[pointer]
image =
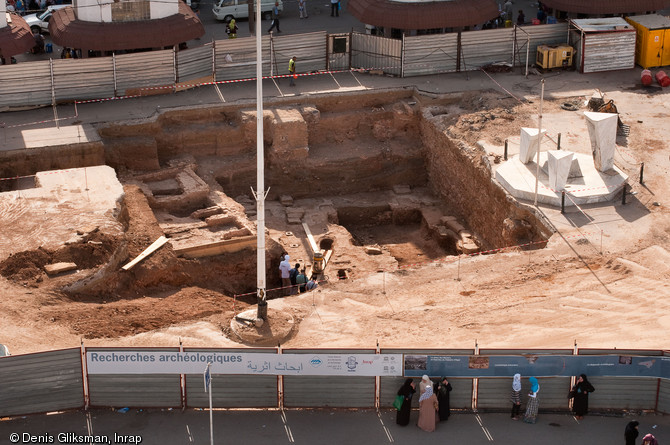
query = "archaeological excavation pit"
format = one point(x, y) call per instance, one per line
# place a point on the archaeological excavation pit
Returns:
point(379, 180)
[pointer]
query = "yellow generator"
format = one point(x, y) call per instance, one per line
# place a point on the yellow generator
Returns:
point(549, 56)
point(652, 47)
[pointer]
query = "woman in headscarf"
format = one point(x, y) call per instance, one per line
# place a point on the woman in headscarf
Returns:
point(425, 381)
point(442, 390)
point(407, 391)
point(580, 392)
point(533, 402)
point(649, 439)
point(427, 408)
point(631, 432)
point(516, 396)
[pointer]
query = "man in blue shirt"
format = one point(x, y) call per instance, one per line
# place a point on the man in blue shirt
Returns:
point(275, 18)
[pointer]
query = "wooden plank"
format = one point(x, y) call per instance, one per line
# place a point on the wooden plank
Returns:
point(148, 251)
point(312, 243)
point(326, 258)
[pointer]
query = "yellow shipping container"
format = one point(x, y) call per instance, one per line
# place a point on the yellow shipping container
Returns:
point(652, 48)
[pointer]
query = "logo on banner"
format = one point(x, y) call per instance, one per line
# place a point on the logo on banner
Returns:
point(316, 362)
point(351, 362)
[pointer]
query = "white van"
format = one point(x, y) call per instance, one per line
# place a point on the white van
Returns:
point(40, 22)
point(239, 9)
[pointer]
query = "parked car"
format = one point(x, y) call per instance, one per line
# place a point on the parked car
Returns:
point(239, 9)
point(40, 22)
point(4, 352)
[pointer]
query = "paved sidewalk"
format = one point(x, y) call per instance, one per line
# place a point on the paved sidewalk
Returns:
point(314, 427)
point(558, 84)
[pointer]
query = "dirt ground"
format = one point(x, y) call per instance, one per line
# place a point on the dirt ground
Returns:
point(602, 281)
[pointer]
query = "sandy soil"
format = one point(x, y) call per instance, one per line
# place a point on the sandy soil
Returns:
point(602, 281)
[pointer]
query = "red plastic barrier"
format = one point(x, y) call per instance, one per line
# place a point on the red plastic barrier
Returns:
point(646, 78)
point(663, 79)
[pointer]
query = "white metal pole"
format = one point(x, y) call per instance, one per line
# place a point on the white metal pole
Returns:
point(539, 143)
point(53, 91)
point(211, 421)
point(527, 54)
point(260, 170)
point(114, 72)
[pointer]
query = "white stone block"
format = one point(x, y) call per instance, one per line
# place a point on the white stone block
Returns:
point(602, 131)
point(560, 162)
point(529, 144)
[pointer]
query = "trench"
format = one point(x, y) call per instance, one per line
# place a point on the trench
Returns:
point(377, 175)
point(21, 183)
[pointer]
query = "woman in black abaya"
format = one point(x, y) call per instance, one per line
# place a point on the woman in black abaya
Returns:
point(580, 392)
point(631, 432)
point(442, 390)
point(406, 390)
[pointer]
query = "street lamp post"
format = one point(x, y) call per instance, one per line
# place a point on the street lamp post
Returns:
point(261, 295)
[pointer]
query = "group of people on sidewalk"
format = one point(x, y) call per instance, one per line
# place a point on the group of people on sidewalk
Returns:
point(434, 405)
point(579, 395)
point(631, 433)
point(434, 402)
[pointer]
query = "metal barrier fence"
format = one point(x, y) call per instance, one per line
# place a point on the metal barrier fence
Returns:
point(48, 82)
point(62, 380)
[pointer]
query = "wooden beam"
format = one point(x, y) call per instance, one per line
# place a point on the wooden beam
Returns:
point(326, 258)
point(312, 243)
point(148, 251)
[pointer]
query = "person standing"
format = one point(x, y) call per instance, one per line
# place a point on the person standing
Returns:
point(334, 8)
point(425, 382)
point(285, 270)
point(631, 432)
point(427, 407)
point(508, 10)
point(302, 7)
point(516, 396)
point(275, 18)
point(291, 71)
point(533, 402)
point(407, 390)
point(443, 388)
point(301, 280)
point(521, 19)
point(293, 275)
point(580, 392)
point(231, 29)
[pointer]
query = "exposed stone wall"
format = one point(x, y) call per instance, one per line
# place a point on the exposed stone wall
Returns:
point(31, 161)
point(311, 152)
point(134, 153)
point(461, 175)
